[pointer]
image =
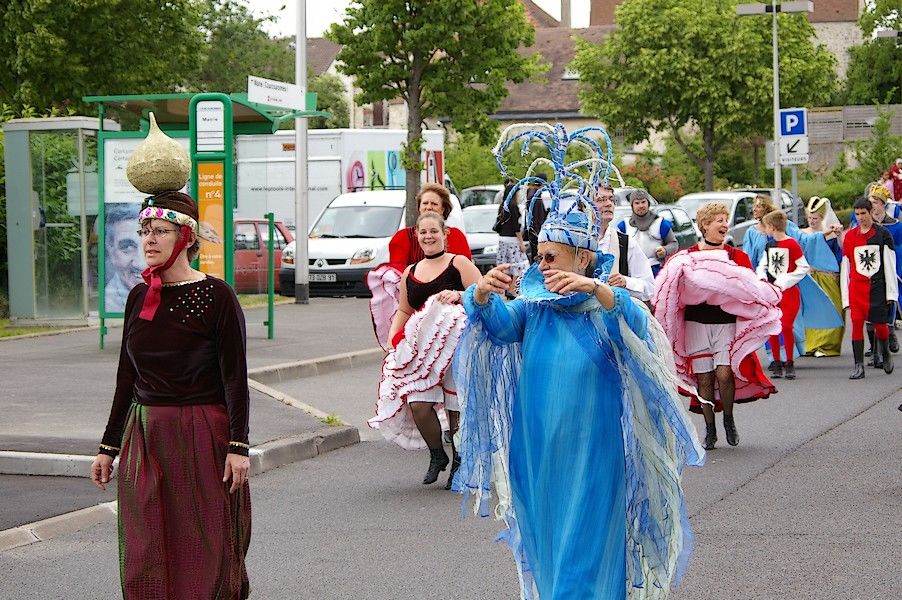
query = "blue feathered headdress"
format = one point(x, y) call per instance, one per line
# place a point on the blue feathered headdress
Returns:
point(573, 218)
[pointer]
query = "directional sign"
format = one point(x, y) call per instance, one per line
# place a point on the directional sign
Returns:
point(275, 93)
point(793, 149)
point(793, 121)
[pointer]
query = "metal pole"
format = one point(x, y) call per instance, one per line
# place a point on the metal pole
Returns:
point(302, 262)
point(270, 275)
point(777, 166)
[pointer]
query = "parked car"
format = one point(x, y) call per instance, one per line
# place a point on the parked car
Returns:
point(684, 228)
point(478, 195)
point(622, 195)
point(483, 240)
point(738, 203)
point(251, 238)
point(792, 204)
point(349, 238)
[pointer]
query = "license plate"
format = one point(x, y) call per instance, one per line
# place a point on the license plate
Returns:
point(323, 277)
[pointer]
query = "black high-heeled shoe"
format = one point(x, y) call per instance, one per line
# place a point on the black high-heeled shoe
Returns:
point(438, 462)
point(710, 436)
point(729, 427)
point(455, 465)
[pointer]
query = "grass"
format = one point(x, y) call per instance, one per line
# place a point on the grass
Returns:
point(7, 331)
point(332, 421)
point(260, 300)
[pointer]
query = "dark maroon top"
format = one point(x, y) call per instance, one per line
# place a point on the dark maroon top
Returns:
point(419, 291)
point(193, 352)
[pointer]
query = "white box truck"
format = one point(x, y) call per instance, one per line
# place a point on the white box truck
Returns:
point(340, 161)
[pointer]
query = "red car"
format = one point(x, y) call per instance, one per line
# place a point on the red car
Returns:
point(251, 239)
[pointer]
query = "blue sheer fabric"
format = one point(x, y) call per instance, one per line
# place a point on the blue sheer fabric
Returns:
point(570, 410)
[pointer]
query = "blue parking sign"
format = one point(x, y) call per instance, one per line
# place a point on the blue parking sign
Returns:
point(793, 121)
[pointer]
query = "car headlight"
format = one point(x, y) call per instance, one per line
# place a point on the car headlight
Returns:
point(364, 255)
point(490, 249)
point(288, 255)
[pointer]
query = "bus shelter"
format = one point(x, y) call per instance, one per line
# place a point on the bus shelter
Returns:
point(206, 125)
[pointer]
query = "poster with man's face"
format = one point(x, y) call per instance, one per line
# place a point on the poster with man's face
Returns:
point(123, 257)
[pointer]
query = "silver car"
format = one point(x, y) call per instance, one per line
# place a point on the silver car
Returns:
point(738, 203)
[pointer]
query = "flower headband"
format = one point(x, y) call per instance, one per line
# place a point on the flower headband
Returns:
point(167, 214)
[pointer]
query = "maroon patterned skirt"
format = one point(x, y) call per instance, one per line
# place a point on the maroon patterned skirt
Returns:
point(181, 534)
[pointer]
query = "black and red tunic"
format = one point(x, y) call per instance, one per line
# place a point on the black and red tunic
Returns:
point(868, 274)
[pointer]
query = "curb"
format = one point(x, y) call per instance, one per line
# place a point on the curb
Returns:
point(265, 457)
point(315, 366)
point(40, 531)
point(45, 463)
point(28, 336)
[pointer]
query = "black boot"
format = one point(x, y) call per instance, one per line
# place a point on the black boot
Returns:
point(438, 461)
point(870, 351)
point(710, 436)
point(893, 341)
point(772, 366)
point(729, 427)
point(777, 371)
point(790, 373)
point(887, 357)
point(878, 353)
point(455, 465)
point(858, 354)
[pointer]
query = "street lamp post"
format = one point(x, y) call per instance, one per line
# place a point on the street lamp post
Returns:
point(774, 8)
point(892, 33)
point(301, 262)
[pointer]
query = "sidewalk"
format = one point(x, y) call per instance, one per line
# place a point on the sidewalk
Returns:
point(57, 391)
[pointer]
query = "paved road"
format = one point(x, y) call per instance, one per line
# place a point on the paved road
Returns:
point(806, 507)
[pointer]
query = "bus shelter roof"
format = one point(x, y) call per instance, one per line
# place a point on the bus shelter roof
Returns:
point(171, 111)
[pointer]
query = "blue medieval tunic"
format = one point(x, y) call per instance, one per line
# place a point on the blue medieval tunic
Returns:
point(568, 404)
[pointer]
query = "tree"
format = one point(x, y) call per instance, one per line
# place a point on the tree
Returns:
point(237, 46)
point(53, 53)
point(448, 59)
point(330, 96)
point(697, 66)
point(875, 67)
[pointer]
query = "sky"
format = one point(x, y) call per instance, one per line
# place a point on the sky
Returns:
point(322, 13)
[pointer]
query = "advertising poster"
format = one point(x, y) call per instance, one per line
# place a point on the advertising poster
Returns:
point(123, 257)
point(376, 169)
point(395, 172)
point(211, 196)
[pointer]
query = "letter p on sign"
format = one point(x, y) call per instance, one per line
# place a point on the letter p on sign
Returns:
point(793, 121)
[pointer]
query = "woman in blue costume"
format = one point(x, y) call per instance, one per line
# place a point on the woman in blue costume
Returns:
point(823, 251)
point(571, 409)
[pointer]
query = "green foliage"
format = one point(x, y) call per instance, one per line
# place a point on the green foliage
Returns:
point(697, 63)
point(406, 49)
point(875, 67)
point(53, 53)
point(330, 91)
point(237, 46)
point(470, 162)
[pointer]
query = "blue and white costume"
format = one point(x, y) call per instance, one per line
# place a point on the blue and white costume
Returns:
point(571, 412)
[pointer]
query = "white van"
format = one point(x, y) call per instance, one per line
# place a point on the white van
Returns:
point(349, 238)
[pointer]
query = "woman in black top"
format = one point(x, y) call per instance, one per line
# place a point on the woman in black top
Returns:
point(511, 247)
point(443, 276)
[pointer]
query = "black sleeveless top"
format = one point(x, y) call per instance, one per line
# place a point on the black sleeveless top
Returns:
point(418, 292)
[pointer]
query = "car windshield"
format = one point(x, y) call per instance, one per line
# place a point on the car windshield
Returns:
point(477, 197)
point(357, 222)
point(480, 221)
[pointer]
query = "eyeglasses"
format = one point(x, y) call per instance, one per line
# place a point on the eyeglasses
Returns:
point(156, 232)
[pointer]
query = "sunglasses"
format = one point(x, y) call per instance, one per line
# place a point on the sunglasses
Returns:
point(548, 257)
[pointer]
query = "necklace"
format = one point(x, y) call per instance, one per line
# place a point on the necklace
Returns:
point(707, 243)
point(435, 255)
point(185, 282)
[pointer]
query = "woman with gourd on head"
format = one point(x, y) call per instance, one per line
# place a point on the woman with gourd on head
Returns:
point(179, 420)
